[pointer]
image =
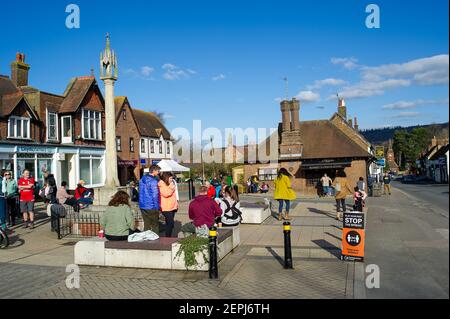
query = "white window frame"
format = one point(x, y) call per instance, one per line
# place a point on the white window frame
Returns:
point(142, 146)
point(55, 139)
point(119, 144)
point(132, 146)
point(152, 148)
point(15, 119)
point(91, 158)
point(168, 148)
point(66, 140)
point(98, 134)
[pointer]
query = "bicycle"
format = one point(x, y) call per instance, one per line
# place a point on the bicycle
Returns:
point(4, 240)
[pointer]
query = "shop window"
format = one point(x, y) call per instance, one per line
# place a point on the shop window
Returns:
point(119, 144)
point(91, 170)
point(52, 126)
point(19, 127)
point(92, 125)
point(131, 144)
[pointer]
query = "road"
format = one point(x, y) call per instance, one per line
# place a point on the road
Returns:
point(407, 236)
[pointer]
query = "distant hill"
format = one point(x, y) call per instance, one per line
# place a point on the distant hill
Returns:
point(382, 135)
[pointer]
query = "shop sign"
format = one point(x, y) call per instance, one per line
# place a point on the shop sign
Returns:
point(353, 237)
point(381, 162)
point(379, 152)
point(35, 149)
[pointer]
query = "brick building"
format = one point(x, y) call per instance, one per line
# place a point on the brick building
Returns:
point(309, 149)
point(142, 140)
point(43, 131)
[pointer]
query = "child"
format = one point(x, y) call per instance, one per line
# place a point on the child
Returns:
point(359, 197)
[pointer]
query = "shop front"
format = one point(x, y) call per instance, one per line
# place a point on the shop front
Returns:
point(127, 171)
point(68, 164)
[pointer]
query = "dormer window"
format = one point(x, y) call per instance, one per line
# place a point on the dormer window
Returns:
point(92, 125)
point(19, 127)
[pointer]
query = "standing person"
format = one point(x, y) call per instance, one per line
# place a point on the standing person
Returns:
point(118, 222)
point(168, 200)
point(340, 184)
point(283, 193)
point(26, 190)
point(387, 184)
point(49, 180)
point(361, 184)
point(3, 208)
point(211, 190)
point(11, 193)
point(326, 182)
point(149, 199)
point(359, 197)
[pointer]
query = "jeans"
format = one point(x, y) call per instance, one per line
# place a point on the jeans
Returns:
point(3, 212)
point(280, 205)
point(12, 209)
point(170, 222)
point(339, 203)
point(86, 201)
point(326, 190)
point(151, 220)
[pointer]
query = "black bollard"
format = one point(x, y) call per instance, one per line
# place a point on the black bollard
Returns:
point(213, 269)
point(287, 246)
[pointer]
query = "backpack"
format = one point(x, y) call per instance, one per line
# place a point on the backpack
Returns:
point(233, 219)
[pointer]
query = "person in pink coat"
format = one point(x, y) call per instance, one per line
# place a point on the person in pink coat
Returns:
point(168, 200)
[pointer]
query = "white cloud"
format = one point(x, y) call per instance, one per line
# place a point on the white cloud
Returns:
point(405, 115)
point(402, 105)
point(326, 82)
point(367, 88)
point(308, 96)
point(146, 70)
point(219, 77)
point(348, 63)
point(173, 72)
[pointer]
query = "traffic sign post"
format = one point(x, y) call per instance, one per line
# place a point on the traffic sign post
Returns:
point(353, 236)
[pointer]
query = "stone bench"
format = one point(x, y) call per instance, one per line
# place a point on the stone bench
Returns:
point(255, 213)
point(156, 254)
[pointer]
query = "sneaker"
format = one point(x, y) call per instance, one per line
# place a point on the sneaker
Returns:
point(32, 225)
point(25, 225)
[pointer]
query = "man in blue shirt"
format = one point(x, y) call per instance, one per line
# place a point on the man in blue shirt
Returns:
point(149, 199)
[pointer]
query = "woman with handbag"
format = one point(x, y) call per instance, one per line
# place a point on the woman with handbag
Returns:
point(342, 190)
point(284, 193)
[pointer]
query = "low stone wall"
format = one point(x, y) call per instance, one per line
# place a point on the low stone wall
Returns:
point(160, 254)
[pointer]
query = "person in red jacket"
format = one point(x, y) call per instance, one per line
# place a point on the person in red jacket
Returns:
point(211, 190)
point(203, 210)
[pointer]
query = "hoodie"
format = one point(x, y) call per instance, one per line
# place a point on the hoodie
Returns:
point(203, 211)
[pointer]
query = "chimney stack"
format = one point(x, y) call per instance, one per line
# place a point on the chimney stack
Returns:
point(295, 114)
point(356, 126)
point(285, 114)
point(342, 109)
point(19, 70)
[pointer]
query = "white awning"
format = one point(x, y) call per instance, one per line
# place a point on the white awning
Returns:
point(172, 166)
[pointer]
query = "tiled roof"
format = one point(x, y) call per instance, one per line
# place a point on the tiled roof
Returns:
point(8, 102)
point(7, 86)
point(149, 125)
point(118, 103)
point(75, 93)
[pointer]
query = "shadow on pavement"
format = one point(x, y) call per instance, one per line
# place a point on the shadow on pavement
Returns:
point(274, 254)
point(326, 245)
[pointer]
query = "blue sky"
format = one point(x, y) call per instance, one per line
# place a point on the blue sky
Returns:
point(224, 61)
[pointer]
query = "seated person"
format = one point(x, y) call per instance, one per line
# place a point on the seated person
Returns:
point(203, 211)
point(118, 222)
point(64, 198)
point(83, 195)
point(264, 188)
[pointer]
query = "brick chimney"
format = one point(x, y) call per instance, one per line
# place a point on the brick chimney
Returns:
point(285, 114)
point(295, 114)
point(342, 109)
point(19, 70)
point(356, 126)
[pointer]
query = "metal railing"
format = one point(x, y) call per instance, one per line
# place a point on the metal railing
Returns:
point(68, 223)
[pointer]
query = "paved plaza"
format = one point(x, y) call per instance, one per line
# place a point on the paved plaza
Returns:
point(35, 264)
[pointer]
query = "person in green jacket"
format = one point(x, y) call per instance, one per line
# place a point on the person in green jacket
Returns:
point(283, 192)
point(118, 222)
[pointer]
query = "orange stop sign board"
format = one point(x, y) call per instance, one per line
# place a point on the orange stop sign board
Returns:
point(353, 237)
